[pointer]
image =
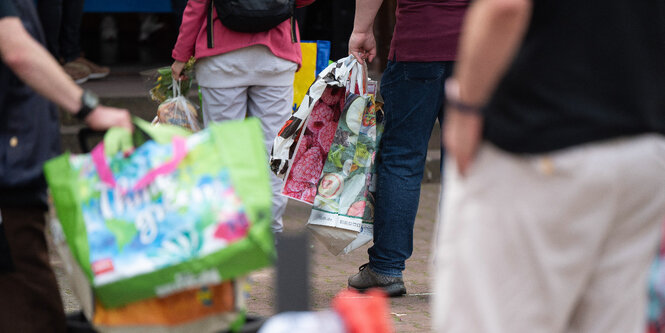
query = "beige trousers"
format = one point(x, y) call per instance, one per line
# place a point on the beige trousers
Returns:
point(271, 105)
point(551, 243)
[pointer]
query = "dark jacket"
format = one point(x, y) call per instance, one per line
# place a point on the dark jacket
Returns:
point(29, 129)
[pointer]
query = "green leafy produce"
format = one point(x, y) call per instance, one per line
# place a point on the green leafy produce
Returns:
point(162, 88)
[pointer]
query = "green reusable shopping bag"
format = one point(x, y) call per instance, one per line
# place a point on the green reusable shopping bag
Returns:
point(181, 211)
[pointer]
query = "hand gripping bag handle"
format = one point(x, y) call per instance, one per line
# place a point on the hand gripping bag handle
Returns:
point(358, 76)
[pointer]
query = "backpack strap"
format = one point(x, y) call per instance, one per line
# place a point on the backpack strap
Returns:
point(293, 24)
point(211, 43)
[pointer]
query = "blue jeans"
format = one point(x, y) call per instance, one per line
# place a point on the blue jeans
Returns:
point(413, 93)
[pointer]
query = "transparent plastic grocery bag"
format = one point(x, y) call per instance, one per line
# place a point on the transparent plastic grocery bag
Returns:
point(178, 111)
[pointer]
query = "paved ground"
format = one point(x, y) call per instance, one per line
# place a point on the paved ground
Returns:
point(329, 273)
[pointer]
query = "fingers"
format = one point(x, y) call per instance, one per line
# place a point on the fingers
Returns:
point(176, 70)
point(103, 118)
point(125, 120)
point(372, 55)
point(357, 55)
point(463, 163)
point(175, 73)
point(462, 137)
point(363, 56)
point(463, 159)
point(362, 46)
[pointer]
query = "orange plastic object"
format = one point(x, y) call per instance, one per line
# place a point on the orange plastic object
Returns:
point(364, 313)
point(175, 309)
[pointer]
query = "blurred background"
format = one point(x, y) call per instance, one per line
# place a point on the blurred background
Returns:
point(127, 33)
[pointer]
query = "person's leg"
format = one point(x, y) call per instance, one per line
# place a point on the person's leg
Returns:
point(449, 68)
point(50, 15)
point(30, 296)
point(272, 105)
point(70, 32)
point(615, 297)
point(520, 237)
point(221, 104)
point(413, 96)
point(79, 68)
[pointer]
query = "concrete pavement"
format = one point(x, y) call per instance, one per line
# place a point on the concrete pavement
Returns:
point(329, 273)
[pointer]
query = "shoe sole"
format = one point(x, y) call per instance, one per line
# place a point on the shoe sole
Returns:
point(81, 80)
point(391, 291)
point(95, 76)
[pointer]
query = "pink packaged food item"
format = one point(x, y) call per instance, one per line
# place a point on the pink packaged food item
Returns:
point(314, 145)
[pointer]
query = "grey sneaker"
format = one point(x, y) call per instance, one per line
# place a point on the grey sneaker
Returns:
point(367, 279)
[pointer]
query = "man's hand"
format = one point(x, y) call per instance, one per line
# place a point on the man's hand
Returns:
point(462, 134)
point(104, 117)
point(176, 70)
point(362, 45)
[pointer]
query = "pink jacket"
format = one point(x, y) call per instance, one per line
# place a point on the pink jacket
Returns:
point(192, 39)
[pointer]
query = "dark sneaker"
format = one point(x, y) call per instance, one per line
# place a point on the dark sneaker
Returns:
point(367, 279)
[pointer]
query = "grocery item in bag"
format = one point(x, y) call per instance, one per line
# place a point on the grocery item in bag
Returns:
point(178, 111)
point(314, 145)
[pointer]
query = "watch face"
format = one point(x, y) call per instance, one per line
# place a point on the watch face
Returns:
point(90, 100)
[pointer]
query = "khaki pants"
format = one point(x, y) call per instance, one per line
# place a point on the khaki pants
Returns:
point(271, 105)
point(29, 295)
point(560, 242)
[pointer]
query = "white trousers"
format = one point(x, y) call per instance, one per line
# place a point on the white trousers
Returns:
point(560, 242)
point(271, 104)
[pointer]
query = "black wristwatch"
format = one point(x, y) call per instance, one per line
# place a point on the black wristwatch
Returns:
point(89, 101)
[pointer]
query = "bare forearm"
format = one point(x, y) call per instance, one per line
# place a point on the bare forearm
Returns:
point(365, 13)
point(32, 63)
point(492, 32)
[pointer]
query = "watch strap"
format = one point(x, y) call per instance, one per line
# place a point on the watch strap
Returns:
point(86, 108)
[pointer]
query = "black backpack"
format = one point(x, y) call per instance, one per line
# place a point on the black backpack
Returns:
point(251, 15)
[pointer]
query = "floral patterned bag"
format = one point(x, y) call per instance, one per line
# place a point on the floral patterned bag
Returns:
point(181, 211)
point(302, 145)
point(326, 154)
point(343, 210)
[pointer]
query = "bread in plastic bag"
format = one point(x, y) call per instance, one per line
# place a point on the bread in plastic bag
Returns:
point(178, 111)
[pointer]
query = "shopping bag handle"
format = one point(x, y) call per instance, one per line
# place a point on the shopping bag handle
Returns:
point(119, 139)
point(106, 175)
point(358, 76)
